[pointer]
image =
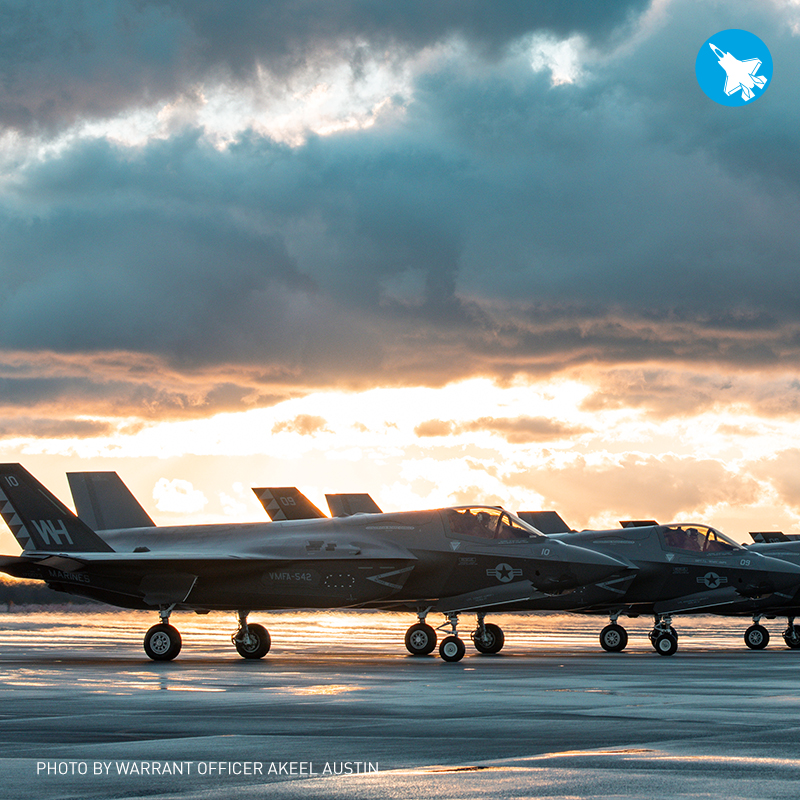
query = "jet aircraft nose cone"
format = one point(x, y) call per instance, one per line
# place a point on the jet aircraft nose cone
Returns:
point(583, 566)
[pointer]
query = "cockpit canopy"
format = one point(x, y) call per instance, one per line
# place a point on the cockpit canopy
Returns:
point(486, 522)
point(696, 538)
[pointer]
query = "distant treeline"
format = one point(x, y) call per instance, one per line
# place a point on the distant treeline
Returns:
point(24, 593)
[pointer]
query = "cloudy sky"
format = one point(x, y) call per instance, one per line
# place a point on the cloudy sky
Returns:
point(499, 251)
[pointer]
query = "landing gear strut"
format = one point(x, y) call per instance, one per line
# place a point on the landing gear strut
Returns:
point(488, 638)
point(663, 637)
point(251, 641)
point(163, 642)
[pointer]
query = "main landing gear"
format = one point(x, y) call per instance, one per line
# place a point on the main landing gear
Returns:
point(421, 638)
point(756, 637)
point(163, 642)
point(792, 634)
point(663, 637)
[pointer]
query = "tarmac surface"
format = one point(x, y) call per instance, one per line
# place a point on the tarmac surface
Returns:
point(85, 714)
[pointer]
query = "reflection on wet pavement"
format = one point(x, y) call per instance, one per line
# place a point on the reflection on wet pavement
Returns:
point(551, 715)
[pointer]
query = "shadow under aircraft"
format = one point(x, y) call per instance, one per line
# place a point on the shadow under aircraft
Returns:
point(451, 560)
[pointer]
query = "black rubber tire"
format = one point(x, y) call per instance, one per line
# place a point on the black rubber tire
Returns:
point(492, 641)
point(665, 644)
point(613, 638)
point(420, 639)
point(756, 637)
point(257, 644)
point(162, 642)
point(792, 637)
point(452, 649)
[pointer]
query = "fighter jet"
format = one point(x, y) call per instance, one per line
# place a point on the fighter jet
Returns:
point(784, 602)
point(740, 74)
point(452, 560)
point(681, 568)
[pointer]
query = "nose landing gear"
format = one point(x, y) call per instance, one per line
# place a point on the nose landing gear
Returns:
point(163, 642)
point(251, 641)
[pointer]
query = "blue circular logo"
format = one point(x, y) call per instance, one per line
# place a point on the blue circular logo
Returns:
point(734, 67)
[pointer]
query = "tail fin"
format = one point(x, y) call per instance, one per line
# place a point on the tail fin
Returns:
point(105, 503)
point(38, 519)
point(287, 502)
point(769, 536)
point(345, 505)
point(546, 522)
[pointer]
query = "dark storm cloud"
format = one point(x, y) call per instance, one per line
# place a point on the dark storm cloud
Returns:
point(62, 60)
point(500, 225)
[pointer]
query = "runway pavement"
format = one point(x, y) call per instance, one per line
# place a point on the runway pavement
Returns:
point(86, 714)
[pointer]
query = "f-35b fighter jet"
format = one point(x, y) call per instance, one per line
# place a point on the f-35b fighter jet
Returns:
point(680, 568)
point(451, 559)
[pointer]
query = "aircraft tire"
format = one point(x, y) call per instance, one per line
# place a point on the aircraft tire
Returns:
point(420, 639)
point(665, 644)
point(756, 637)
point(452, 649)
point(162, 642)
point(257, 644)
point(792, 637)
point(613, 638)
point(492, 641)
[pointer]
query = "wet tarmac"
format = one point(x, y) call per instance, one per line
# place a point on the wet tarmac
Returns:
point(338, 709)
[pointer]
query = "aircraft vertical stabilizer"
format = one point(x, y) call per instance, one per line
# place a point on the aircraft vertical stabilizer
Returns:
point(286, 502)
point(38, 519)
point(105, 503)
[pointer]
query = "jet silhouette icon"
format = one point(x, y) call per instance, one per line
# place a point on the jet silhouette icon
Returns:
point(739, 74)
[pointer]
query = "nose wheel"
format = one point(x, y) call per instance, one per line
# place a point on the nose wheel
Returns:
point(251, 641)
point(452, 649)
point(163, 642)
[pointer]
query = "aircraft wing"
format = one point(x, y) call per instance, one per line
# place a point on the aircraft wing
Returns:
point(287, 502)
point(105, 503)
point(517, 592)
point(732, 85)
point(751, 65)
point(698, 601)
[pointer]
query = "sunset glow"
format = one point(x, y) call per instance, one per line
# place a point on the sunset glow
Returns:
point(514, 257)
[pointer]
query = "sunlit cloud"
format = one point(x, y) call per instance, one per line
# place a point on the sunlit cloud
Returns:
point(178, 496)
